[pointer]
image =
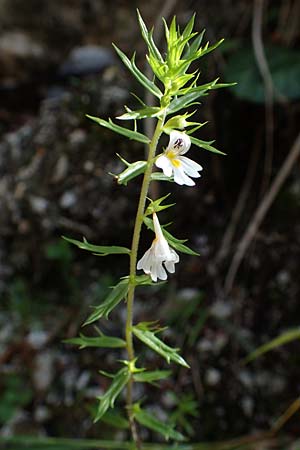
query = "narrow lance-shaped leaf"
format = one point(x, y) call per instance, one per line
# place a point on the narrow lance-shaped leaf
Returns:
point(184, 101)
point(133, 170)
point(99, 341)
point(194, 46)
point(115, 420)
point(135, 135)
point(205, 145)
point(149, 338)
point(148, 38)
point(130, 64)
point(118, 293)
point(148, 420)
point(149, 111)
point(107, 400)
point(160, 176)
point(99, 250)
point(151, 376)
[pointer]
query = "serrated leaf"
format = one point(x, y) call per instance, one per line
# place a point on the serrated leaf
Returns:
point(132, 171)
point(208, 49)
point(151, 340)
point(189, 27)
point(156, 206)
point(99, 341)
point(98, 249)
point(283, 339)
point(149, 111)
point(194, 46)
point(148, 38)
point(149, 421)
point(130, 64)
point(178, 244)
point(150, 376)
point(118, 293)
point(205, 145)
point(107, 400)
point(184, 101)
point(135, 135)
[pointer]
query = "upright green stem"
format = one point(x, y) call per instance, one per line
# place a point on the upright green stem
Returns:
point(133, 260)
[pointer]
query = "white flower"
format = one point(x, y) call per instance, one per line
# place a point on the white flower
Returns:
point(172, 161)
point(159, 256)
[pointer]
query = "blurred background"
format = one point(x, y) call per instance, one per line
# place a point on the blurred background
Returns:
point(57, 65)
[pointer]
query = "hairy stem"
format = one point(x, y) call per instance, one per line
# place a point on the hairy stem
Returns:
point(133, 260)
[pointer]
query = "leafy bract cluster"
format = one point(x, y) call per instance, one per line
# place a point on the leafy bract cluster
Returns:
point(175, 88)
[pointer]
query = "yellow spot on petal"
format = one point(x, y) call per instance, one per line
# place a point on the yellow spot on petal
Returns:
point(171, 154)
point(176, 162)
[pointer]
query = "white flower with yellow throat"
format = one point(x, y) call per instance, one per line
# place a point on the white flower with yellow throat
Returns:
point(159, 257)
point(173, 163)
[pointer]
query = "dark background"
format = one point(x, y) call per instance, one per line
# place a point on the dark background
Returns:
point(54, 167)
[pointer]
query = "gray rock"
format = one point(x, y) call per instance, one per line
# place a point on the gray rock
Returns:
point(86, 60)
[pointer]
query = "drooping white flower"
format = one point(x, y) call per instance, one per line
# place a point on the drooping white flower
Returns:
point(172, 161)
point(159, 256)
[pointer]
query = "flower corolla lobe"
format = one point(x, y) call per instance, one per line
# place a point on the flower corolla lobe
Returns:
point(159, 257)
point(172, 161)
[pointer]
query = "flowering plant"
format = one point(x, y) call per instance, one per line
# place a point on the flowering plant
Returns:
point(175, 89)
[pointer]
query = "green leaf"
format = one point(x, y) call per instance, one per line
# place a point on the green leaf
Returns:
point(130, 64)
point(194, 46)
point(118, 293)
point(189, 27)
point(107, 400)
point(99, 250)
point(178, 244)
point(283, 339)
point(150, 376)
point(132, 171)
point(148, 38)
point(100, 341)
point(115, 419)
point(156, 206)
point(149, 338)
point(208, 49)
point(205, 145)
point(149, 111)
point(148, 420)
point(159, 176)
point(184, 101)
point(144, 280)
point(117, 129)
